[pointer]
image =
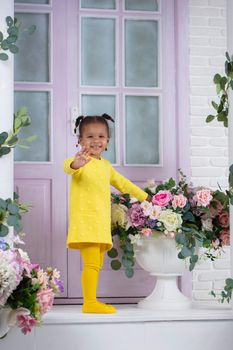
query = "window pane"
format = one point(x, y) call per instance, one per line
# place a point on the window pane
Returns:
point(38, 108)
point(139, 5)
point(97, 105)
point(141, 53)
point(98, 51)
point(32, 61)
point(142, 129)
point(99, 4)
point(32, 1)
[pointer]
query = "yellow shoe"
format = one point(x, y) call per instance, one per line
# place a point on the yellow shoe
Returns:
point(96, 307)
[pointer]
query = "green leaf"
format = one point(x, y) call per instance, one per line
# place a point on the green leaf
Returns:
point(29, 138)
point(223, 82)
point(127, 263)
point(231, 84)
point(22, 146)
point(188, 216)
point(227, 56)
point(116, 265)
point(129, 273)
point(12, 220)
point(3, 230)
point(13, 31)
point(217, 78)
point(181, 239)
point(31, 29)
point(3, 56)
point(5, 45)
point(194, 259)
point(210, 118)
point(22, 111)
point(4, 151)
point(13, 140)
point(112, 253)
point(225, 123)
point(129, 246)
point(13, 49)
point(13, 208)
point(215, 105)
point(9, 21)
point(185, 251)
point(11, 39)
point(229, 283)
point(1, 37)
point(3, 204)
point(3, 137)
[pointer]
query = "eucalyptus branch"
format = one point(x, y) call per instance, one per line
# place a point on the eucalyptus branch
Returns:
point(223, 84)
point(11, 139)
point(8, 43)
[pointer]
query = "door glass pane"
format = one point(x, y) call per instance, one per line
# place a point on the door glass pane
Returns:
point(98, 51)
point(38, 108)
point(97, 105)
point(142, 129)
point(32, 1)
point(141, 53)
point(139, 5)
point(98, 4)
point(32, 61)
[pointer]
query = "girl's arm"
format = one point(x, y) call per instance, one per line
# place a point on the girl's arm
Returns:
point(124, 185)
point(67, 166)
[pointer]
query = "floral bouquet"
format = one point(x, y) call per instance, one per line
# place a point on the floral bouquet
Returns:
point(194, 217)
point(25, 289)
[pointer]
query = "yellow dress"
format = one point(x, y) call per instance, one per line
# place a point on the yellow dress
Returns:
point(90, 201)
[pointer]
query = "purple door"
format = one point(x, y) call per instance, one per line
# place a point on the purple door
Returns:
point(95, 57)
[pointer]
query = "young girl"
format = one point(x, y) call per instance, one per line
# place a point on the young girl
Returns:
point(90, 204)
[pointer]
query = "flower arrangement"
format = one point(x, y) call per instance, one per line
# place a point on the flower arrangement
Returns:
point(194, 217)
point(25, 288)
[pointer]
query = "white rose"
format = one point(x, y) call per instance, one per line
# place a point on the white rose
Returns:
point(171, 220)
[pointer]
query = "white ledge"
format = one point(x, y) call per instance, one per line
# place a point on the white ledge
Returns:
point(72, 314)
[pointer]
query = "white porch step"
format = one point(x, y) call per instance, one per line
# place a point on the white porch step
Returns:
point(66, 328)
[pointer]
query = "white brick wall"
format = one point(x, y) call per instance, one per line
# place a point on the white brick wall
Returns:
point(209, 153)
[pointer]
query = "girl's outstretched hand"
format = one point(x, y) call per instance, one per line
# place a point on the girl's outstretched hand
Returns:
point(81, 158)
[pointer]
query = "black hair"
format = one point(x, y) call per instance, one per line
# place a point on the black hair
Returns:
point(81, 121)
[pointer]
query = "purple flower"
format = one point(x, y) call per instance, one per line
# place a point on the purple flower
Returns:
point(151, 223)
point(136, 216)
point(3, 245)
point(59, 284)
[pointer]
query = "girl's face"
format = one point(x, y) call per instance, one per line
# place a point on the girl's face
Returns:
point(94, 138)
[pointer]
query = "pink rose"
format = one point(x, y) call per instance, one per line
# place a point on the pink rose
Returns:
point(162, 198)
point(203, 197)
point(224, 219)
point(45, 298)
point(146, 232)
point(179, 201)
point(218, 207)
point(225, 237)
point(26, 322)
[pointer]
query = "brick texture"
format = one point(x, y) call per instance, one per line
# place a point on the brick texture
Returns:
point(209, 152)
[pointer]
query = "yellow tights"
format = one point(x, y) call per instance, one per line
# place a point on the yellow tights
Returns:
point(93, 258)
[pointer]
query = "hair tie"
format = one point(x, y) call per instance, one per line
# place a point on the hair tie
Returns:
point(106, 116)
point(77, 122)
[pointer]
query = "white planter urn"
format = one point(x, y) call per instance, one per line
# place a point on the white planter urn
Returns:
point(4, 321)
point(157, 254)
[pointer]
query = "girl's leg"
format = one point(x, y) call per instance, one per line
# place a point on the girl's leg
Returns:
point(92, 256)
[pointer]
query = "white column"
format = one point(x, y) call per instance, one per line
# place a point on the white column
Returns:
point(230, 125)
point(6, 105)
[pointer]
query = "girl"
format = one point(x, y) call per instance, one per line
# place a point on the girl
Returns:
point(90, 204)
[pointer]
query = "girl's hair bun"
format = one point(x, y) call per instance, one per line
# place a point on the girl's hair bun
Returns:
point(77, 122)
point(108, 117)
